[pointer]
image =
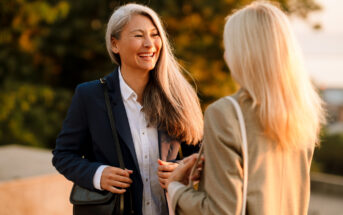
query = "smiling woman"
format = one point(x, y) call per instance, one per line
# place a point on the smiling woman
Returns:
point(156, 112)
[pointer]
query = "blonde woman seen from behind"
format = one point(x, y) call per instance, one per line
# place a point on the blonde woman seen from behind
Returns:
point(283, 115)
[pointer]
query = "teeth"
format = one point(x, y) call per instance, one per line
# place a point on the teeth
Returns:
point(147, 55)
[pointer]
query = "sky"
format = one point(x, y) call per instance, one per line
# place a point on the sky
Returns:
point(323, 49)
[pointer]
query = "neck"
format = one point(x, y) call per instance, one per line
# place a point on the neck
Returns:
point(136, 80)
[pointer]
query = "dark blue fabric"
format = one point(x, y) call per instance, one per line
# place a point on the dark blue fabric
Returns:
point(85, 141)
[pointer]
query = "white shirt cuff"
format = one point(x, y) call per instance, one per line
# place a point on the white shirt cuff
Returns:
point(173, 187)
point(97, 176)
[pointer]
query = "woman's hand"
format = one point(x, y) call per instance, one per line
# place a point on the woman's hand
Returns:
point(113, 178)
point(164, 171)
point(182, 172)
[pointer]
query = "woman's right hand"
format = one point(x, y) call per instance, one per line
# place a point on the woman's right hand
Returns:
point(115, 180)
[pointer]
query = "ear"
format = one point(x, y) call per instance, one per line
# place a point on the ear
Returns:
point(114, 44)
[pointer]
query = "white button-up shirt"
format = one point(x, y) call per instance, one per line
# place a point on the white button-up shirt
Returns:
point(145, 140)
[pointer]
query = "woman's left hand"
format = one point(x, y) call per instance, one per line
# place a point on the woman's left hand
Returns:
point(165, 169)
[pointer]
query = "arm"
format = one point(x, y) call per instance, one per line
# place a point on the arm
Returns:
point(73, 143)
point(221, 185)
point(73, 147)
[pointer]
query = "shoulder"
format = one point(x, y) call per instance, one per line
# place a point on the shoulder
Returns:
point(221, 129)
point(220, 109)
point(88, 90)
point(221, 122)
point(87, 87)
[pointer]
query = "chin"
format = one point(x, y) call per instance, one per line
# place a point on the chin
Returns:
point(150, 67)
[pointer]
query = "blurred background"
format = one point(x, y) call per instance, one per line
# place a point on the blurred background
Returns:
point(47, 47)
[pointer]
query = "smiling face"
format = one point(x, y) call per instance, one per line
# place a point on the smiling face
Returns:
point(139, 44)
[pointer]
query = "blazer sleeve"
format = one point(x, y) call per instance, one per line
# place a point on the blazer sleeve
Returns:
point(73, 143)
point(220, 189)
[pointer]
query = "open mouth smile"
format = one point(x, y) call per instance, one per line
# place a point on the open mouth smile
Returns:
point(147, 56)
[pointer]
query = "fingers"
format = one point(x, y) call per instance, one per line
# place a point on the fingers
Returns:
point(201, 162)
point(117, 174)
point(164, 171)
point(163, 175)
point(163, 182)
point(119, 184)
point(129, 171)
point(189, 158)
point(181, 174)
point(164, 186)
point(168, 168)
point(188, 165)
point(120, 178)
point(116, 190)
point(161, 162)
point(119, 171)
point(196, 175)
point(113, 178)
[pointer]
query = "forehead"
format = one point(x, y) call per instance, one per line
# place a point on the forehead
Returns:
point(140, 22)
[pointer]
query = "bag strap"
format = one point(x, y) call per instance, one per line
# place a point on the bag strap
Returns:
point(201, 150)
point(244, 150)
point(114, 134)
point(113, 127)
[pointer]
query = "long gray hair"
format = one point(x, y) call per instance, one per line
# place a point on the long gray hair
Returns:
point(169, 101)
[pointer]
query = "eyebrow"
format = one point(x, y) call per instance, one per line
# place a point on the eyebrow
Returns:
point(140, 30)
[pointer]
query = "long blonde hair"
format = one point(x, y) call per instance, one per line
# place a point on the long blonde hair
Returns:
point(264, 58)
point(169, 101)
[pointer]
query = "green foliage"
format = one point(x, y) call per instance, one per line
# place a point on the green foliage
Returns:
point(47, 47)
point(328, 157)
point(31, 114)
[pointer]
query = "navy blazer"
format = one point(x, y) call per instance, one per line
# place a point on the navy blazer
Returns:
point(86, 142)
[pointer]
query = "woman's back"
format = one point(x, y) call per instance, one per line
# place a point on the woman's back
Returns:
point(278, 180)
point(283, 115)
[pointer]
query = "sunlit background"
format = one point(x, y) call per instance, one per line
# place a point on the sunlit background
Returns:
point(323, 47)
point(48, 47)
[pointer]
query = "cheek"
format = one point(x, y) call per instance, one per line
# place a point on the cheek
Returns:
point(158, 43)
point(131, 45)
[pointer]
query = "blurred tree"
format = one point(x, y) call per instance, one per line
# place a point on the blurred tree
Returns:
point(31, 114)
point(47, 47)
point(328, 157)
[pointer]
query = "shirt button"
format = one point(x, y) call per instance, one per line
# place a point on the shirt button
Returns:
point(147, 203)
point(143, 132)
point(146, 156)
point(146, 180)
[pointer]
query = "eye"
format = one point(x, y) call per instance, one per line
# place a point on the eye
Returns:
point(138, 35)
point(155, 34)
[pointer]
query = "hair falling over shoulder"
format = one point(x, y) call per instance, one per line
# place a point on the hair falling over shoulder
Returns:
point(264, 58)
point(169, 101)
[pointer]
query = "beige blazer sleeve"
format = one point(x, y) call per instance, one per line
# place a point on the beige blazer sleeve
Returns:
point(220, 189)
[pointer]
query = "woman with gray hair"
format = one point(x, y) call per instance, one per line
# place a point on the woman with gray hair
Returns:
point(154, 107)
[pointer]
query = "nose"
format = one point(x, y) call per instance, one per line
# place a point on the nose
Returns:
point(148, 42)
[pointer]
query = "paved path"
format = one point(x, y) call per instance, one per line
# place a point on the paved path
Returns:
point(18, 162)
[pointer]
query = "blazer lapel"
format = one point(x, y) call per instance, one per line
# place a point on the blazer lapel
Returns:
point(119, 112)
point(168, 147)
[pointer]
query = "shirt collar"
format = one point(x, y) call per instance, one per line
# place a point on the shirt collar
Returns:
point(126, 91)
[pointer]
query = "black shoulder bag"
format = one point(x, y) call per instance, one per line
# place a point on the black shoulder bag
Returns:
point(88, 202)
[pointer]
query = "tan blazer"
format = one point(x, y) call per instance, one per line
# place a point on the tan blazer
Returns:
point(279, 181)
